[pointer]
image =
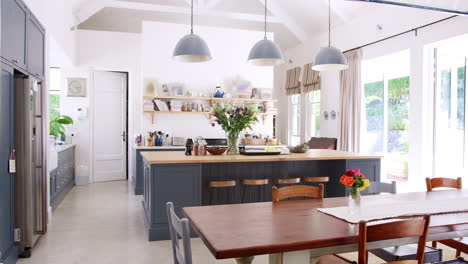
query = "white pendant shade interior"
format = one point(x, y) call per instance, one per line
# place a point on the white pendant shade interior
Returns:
point(330, 58)
point(191, 47)
point(265, 52)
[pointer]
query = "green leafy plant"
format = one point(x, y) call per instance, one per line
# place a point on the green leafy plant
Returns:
point(233, 120)
point(57, 125)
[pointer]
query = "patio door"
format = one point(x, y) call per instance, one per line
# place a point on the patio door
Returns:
point(450, 135)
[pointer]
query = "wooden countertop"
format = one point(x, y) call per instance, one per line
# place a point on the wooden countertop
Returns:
point(167, 157)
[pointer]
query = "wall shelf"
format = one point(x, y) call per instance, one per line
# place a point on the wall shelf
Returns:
point(208, 99)
point(211, 99)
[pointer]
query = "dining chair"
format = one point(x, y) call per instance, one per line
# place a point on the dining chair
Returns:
point(380, 187)
point(404, 252)
point(459, 244)
point(297, 191)
point(314, 192)
point(323, 143)
point(417, 227)
point(179, 228)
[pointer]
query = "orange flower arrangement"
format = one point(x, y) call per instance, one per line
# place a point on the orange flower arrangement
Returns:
point(355, 181)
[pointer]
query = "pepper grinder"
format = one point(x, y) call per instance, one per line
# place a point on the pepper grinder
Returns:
point(188, 147)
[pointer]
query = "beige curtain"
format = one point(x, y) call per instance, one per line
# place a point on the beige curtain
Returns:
point(350, 103)
point(293, 85)
point(310, 79)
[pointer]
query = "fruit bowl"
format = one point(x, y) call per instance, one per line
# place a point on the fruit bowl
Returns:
point(299, 148)
point(216, 150)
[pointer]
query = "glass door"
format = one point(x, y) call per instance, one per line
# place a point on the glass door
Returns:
point(450, 148)
point(386, 104)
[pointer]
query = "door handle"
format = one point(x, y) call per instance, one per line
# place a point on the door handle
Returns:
point(124, 136)
point(15, 61)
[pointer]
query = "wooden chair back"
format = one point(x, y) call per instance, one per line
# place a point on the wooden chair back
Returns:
point(433, 183)
point(380, 187)
point(296, 191)
point(179, 228)
point(323, 143)
point(394, 230)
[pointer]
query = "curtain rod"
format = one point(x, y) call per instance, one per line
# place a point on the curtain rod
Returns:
point(402, 33)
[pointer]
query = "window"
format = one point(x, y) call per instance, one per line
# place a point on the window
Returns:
point(313, 114)
point(54, 97)
point(450, 147)
point(387, 91)
point(295, 120)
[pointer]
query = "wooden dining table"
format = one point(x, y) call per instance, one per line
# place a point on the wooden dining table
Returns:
point(296, 232)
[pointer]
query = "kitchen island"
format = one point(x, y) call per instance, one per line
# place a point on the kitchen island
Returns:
point(173, 176)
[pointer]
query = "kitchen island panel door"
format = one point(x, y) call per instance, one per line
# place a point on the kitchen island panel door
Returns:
point(180, 184)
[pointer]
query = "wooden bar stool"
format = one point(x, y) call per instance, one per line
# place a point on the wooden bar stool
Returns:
point(322, 179)
point(286, 181)
point(261, 183)
point(217, 185)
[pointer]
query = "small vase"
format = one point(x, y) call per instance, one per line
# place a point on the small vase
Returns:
point(233, 139)
point(354, 202)
point(355, 193)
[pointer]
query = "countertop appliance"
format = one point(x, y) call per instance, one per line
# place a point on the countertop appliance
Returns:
point(30, 179)
point(216, 142)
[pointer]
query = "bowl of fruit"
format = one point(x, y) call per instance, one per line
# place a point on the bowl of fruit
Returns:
point(302, 148)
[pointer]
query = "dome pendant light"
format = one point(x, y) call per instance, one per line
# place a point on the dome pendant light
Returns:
point(191, 47)
point(265, 52)
point(330, 58)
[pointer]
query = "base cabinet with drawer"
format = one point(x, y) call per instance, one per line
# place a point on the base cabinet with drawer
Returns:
point(62, 179)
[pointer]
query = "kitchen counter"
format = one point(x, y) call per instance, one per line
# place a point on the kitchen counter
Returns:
point(173, 176)
point(314, 154)
point(159, 147)
point(60, 148)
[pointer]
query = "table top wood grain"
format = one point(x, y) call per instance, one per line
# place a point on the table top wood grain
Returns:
point(167, 157)
point(242, 230)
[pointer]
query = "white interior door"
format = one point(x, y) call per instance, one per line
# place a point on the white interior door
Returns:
point(109, 129)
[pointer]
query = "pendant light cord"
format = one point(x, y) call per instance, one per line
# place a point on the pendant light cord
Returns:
point(191, 19)
point(265, 19)
point(329, 23)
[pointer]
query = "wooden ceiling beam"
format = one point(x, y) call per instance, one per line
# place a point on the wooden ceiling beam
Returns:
point(184, 10)
point(285, 19)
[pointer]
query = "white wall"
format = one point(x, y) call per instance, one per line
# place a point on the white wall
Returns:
point(98, 50)
point(229, 49)
point(362, 31)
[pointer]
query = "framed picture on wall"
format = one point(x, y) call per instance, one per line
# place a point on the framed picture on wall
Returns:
point(76, 87)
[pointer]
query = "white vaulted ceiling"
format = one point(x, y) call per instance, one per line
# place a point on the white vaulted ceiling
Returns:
point(292, 21)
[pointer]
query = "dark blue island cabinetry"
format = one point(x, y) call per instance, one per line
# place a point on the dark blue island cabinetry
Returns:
point(183, 180)
point(137, 177)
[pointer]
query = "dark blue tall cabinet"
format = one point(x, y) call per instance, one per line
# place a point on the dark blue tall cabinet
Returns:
point(8, 252)
point(22, 48)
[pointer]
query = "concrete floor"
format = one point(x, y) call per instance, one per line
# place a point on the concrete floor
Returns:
point(102, 223)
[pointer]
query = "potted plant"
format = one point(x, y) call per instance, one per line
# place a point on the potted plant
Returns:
point(57, 125)
point(233, 120)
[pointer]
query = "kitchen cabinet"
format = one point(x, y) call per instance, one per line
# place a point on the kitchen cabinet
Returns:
point(13, 19)
point(137, 178)
point(8, 252)
point(62, 179)
point(35, 39)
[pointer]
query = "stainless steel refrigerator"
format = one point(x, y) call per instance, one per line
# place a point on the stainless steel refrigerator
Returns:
point(30, 179)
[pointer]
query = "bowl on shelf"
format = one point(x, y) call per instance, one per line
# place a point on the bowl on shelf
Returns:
point(299, 148)
point(216, 150)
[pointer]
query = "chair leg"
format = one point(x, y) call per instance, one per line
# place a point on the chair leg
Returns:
point(457, 255)
point(211, 196)
point(434, 244)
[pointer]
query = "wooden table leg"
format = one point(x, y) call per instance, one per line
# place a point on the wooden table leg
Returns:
point(294, 257)
point(245, 260)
